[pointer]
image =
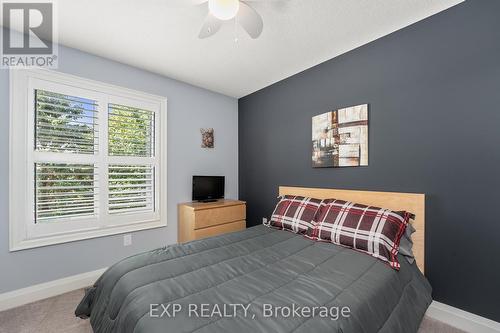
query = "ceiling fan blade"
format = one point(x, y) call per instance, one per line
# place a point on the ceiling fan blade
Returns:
point(210, 26)
point(250, 20)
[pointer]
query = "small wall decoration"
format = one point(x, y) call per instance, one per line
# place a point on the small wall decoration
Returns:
point(207, 137)
point(340, 138)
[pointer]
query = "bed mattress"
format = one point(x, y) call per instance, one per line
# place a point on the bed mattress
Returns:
point(256, 280)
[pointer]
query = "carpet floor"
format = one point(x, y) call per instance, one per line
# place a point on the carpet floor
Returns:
point(56, 315)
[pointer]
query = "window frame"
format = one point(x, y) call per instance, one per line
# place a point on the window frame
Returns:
point(23, 233)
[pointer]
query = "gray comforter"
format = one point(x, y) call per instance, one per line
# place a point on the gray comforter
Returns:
point(246, 281)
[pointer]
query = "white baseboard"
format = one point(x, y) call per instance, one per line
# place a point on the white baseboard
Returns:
point(53, 288)
point(460, 319)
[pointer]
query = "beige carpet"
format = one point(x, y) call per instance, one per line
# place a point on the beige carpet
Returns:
point(55, 315)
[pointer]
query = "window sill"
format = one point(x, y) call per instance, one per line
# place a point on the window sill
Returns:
point(83, 235)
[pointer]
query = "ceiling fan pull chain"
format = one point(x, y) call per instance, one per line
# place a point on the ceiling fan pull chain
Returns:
point(236, 29)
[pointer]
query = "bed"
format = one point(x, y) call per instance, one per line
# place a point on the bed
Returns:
point(260, 279)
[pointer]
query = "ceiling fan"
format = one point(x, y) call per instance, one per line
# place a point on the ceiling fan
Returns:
point(225, 10)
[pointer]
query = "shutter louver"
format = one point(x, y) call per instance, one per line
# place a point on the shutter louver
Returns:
point(131, 188)
point(64, 191)
point(65, 123)
point(130, 131)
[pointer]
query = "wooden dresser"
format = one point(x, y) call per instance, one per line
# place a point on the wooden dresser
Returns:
point(199, 220)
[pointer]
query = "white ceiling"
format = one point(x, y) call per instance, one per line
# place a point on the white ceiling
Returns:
point(163, 38)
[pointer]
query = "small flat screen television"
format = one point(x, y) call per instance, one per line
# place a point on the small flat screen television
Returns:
point(208, 188)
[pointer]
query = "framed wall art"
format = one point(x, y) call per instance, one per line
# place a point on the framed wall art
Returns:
point(340, 138)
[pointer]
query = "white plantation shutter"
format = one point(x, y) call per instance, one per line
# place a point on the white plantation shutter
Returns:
point(90, 159)
point(131, 137)
point(131, 188)
point(64, 190)
point(130, 131)
point(65, 123)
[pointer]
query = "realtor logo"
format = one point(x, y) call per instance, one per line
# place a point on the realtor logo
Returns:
point(28, 34)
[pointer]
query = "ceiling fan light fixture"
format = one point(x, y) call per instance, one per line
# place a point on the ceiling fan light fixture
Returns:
point(224, 9)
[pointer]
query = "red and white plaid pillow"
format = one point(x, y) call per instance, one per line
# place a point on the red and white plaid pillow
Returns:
point(375, 231)
point(294, 213)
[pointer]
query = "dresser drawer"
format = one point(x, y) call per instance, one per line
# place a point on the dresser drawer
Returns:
point(219, 229)
point(205, 218)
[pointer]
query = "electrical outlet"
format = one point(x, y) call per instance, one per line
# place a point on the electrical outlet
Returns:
point(127, 240)
point(264, 220)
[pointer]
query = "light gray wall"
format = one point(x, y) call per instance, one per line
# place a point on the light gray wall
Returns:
point(189, 108)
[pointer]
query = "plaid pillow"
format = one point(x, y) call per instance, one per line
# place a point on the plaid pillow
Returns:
point(294, 213)
point(375, 231)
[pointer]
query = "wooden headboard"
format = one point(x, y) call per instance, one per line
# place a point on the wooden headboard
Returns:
point(411, 202)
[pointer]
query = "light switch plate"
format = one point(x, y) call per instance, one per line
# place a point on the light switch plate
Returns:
point(127, 240)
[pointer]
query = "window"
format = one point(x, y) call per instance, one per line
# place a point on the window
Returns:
point(87, 159)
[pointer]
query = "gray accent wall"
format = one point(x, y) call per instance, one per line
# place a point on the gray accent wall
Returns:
point(189, 108)
point(434, 95)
